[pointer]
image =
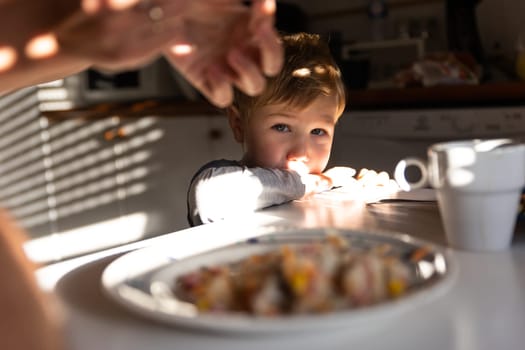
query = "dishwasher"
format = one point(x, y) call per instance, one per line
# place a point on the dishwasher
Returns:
point(378, 139)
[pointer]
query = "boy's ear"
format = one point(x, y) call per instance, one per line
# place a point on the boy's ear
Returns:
point(236, 125)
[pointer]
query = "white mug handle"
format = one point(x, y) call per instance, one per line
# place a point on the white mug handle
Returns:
point(399, 174)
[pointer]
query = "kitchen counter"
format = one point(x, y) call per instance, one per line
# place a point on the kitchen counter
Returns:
point(490, 94)
point(444, 96)
point(483, 309)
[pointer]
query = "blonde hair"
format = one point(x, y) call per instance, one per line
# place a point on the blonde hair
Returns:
point(309, 71)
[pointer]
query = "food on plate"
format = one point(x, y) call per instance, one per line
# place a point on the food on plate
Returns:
point(300, 278)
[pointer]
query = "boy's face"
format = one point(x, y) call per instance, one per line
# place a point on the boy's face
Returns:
point(280, 136)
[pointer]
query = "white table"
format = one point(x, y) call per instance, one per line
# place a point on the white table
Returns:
point(484, 308)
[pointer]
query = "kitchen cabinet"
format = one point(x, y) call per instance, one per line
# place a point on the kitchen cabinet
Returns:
point(144, 166)
point(23, 160)
point(78, 194)
point(184, 144)
point(100, 177)
point(82, 183)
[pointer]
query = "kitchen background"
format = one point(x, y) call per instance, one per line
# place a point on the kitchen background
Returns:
point(95, 160)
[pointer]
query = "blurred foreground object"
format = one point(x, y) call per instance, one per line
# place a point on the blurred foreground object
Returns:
point(31, 319)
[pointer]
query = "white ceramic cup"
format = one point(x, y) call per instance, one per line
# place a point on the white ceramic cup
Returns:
point(478, 186)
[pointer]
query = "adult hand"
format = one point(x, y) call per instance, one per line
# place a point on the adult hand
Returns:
point(230, 43)
point(215, 44)
point(224, 44)
point(120, 34)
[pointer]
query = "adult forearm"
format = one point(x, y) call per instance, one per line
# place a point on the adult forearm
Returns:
point(21, 21)
point(29, 73)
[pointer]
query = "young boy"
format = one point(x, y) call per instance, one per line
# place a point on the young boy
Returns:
point(286, 134)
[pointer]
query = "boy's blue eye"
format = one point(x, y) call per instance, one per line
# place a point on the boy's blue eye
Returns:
point(318, 132)
point(281, 127)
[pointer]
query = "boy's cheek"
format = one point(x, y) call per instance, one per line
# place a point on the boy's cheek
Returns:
point(266, 160)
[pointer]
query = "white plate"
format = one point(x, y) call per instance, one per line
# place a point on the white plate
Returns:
point(143, 280)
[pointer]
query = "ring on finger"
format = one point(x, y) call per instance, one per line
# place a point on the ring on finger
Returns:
point(154, 11)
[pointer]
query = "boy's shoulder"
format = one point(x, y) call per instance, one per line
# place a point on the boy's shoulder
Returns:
point(218, 163)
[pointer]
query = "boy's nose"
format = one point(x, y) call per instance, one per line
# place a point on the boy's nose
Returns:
point(298, 153)
point(298, 159)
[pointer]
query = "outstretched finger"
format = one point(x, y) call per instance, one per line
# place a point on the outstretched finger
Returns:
point(271, 51)
point(265, 36)
point(211, 82)
point(248, 76)
point(217, 88)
